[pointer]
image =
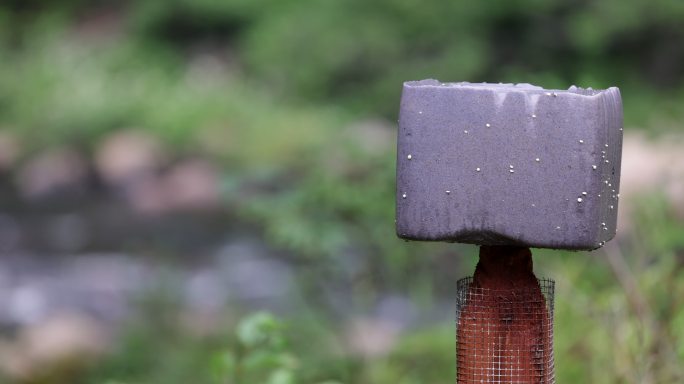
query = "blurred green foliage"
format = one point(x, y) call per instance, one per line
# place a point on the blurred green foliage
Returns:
point(286, 95)
point(263, 349)
point(261, 357)
point(626, 305)
point(354, 52)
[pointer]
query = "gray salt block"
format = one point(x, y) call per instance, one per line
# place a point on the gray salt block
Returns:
point(505, 164)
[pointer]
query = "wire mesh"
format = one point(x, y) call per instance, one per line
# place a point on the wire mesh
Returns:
point(505, 335)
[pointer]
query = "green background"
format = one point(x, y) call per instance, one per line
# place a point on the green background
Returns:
point(295, 103)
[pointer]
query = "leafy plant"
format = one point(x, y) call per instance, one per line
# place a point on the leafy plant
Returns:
point(262, 354)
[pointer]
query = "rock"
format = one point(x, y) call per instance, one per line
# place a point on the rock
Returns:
point(67, 232)
point(59, 347)
point(192, 184)
point(675, 194)
point(147, 196)
point(27, 304)
point(35, 288)
point(398, 309)
point(205, 290)
point(58, 172)
point(252, 275)
point(9, 151)
point(650, 166)
point(10, 233)
point(188, 185)
point(126, 156)
point(371, 337)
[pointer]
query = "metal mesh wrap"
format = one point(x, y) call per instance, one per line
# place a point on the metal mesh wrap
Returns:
point(505, 335)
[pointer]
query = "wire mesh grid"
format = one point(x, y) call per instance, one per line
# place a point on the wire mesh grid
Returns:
point(505, 335)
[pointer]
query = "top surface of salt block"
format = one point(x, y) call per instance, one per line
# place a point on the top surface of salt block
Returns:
point(508, 164)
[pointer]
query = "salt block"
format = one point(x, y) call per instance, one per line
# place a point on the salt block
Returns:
point(508, 164)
